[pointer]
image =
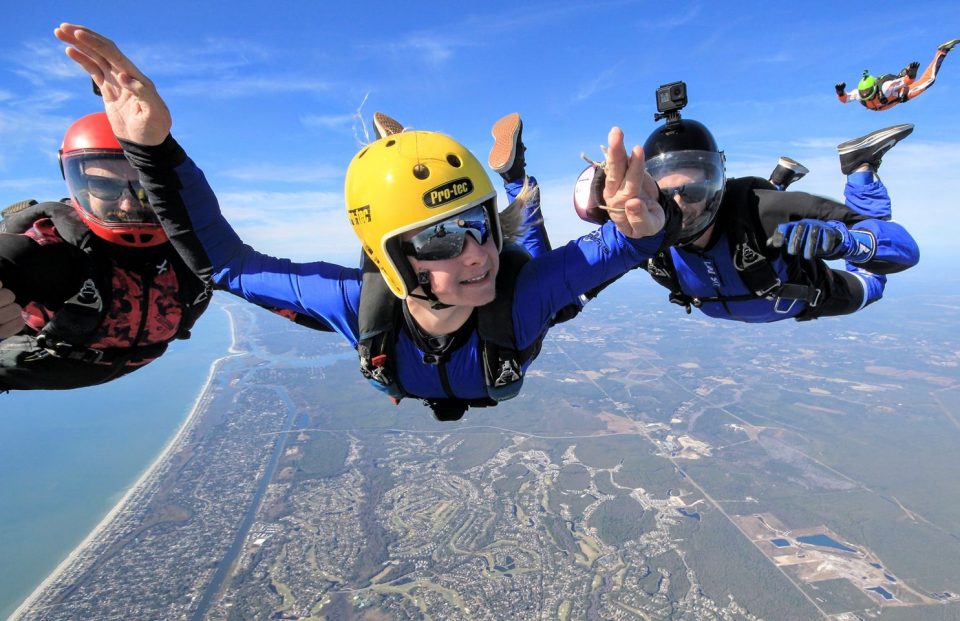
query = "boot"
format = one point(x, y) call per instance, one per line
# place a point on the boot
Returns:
point(787, 171)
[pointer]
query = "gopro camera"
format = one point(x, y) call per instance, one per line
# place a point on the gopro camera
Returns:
point(671, 98)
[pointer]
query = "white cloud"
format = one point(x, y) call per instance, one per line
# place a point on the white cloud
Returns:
point(674, 19)
point(419, 48)
point(430, 49)
point(233, 86)
point(40, 63)
point(303, 173)
point(606, 79)
point(330, 121)
point(210, 57)
point(303, 226)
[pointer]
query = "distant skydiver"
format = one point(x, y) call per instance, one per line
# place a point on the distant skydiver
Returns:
point(886, 91)
point(441, 279)
point(90, 287)
point(749, 252)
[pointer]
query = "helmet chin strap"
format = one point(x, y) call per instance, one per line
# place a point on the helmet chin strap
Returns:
point(423, 279)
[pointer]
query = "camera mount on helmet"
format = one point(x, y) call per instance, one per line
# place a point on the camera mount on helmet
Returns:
point(671, 98)
point(683, 158)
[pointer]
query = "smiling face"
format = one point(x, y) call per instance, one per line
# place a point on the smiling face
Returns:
point(469, 279)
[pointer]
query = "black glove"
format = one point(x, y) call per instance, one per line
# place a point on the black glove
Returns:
point(841, 88)
point(812, 239)
point(912, 70)
point(673, 220)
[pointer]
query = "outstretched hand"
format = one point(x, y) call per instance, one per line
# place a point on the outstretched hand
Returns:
point(811, 239)
point(11, 320)
point(630, 193)
point(133, 106)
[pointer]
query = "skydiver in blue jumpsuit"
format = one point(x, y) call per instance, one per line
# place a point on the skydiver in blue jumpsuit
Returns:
point(425, 212)
point(749, 252)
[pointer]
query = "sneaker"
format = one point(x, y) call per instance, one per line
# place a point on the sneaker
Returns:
point(946, 47)
point(384, 126)
point(787, 171)
point(506, 156)
point(870, 149)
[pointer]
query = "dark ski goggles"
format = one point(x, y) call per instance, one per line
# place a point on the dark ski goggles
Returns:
point(445, 239)
point(690, 192)
point(112, 188)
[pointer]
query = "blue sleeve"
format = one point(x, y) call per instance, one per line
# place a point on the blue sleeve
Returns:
point(534, 237)
point(869, 199)
point(189, 211)
point(896, 249)
point(558, 278)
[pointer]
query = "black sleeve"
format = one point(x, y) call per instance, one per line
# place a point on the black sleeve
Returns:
point(47, 274)
point(157, 168)
point(776, 208)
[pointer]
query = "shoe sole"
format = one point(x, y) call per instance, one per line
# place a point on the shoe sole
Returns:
point(792, 164)
point(504, 143)
point(895, 133)
point(386, 126)
point(949, 45)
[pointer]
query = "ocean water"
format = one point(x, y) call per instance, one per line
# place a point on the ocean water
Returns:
point(67, 457)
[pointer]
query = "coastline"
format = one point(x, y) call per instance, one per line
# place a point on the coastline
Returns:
point(142, 482)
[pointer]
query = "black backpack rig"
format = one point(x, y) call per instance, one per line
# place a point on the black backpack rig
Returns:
point(750, 256)
point(67, 332)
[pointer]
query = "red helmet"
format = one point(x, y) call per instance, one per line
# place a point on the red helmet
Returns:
point(104, 188)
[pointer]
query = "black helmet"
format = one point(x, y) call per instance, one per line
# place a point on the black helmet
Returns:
point(688, 145)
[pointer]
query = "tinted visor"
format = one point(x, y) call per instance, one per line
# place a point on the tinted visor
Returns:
point(445, 239)
point(698, 178)
point(107, 188)
point(690, 192)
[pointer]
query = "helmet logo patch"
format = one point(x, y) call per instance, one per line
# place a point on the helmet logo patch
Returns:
point(360, 215)
point(447, 192)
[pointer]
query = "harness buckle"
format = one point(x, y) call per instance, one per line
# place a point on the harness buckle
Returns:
point(509, 372)
point(816, 299)
point(777, 308)
point(746, 257)
point(768, 292)
point(70, 352)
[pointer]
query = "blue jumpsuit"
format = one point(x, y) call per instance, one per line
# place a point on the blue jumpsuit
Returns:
point(710, 272)
point(330, 293)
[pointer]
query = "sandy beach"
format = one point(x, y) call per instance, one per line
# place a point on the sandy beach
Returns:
point(141, 484)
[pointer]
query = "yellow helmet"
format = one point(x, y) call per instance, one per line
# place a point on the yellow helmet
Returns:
point(407, 181)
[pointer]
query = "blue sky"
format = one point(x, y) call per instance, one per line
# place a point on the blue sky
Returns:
point(265, 96)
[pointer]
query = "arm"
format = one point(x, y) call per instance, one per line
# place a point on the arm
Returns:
point(11, 318)
point(190, 213)
point(634, 234)
point(558, 278)
point(894, 250)
point(845, 97)
point(186, 205)
point(30, 272)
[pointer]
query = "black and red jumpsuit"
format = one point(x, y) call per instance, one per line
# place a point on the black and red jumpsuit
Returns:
point(94, 311)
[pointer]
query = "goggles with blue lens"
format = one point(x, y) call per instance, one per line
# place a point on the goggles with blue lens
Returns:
point(445, 239)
